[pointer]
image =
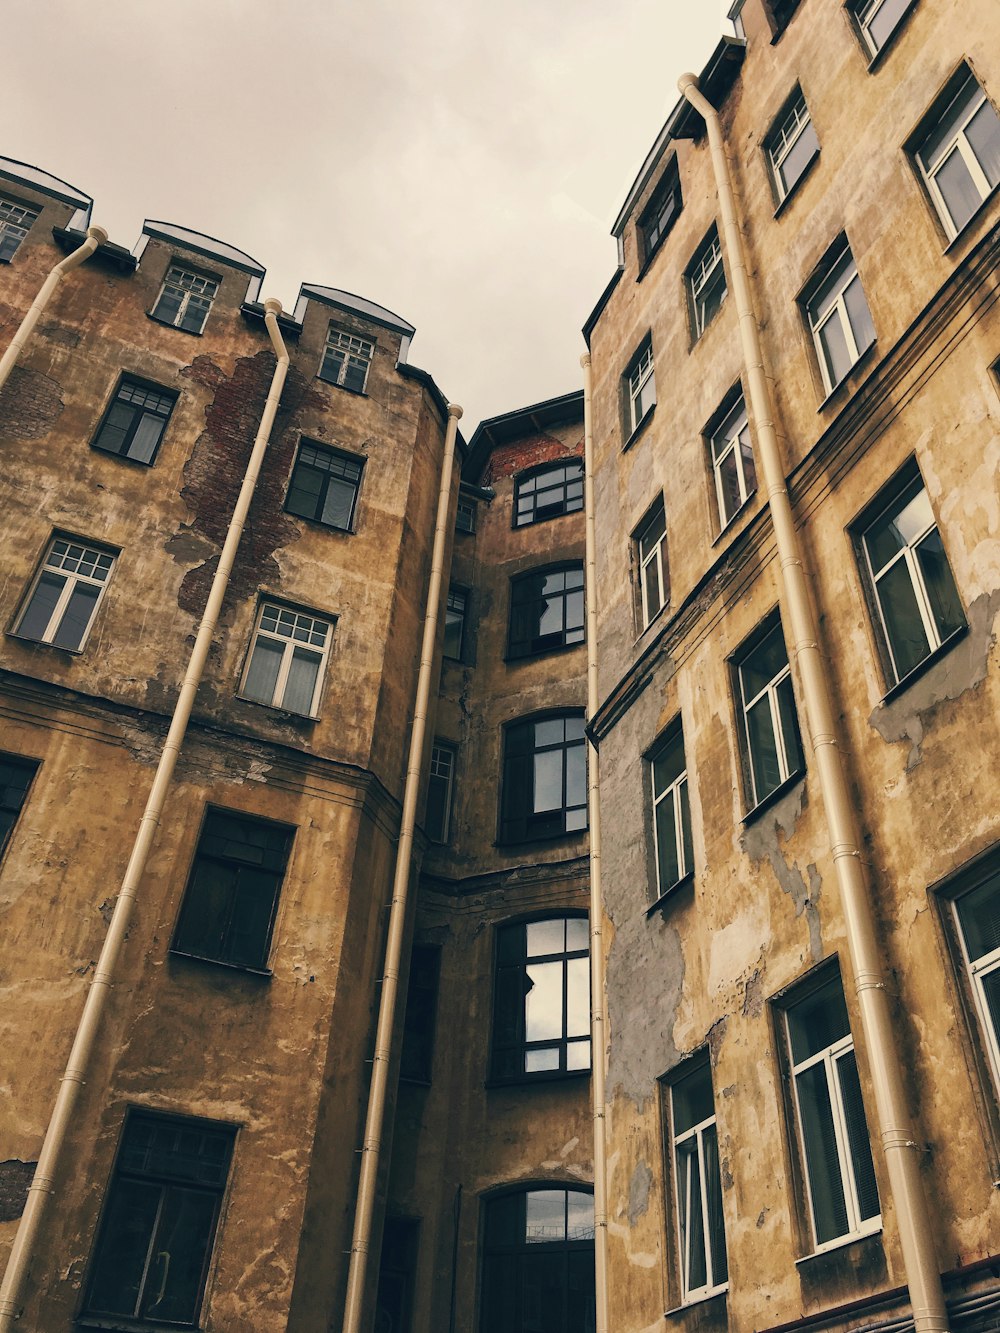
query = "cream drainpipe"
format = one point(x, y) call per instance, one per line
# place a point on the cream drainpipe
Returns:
point(902, 1154)
point(43, 1184)
point(598, 1039)
point(95, 236)
point(364, 1209)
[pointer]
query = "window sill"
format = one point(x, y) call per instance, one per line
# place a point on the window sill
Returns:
point(191, 333)
point(358, 393)
point(285, 713)
point(122, 458)
point(318, 523)
point(514, 845)
point(806, 171)
point(638, 430)
point(911, 676)
point(547, 1076)
point(854, 1238)
point(513, 660)
point(670, 893)
point(772, 798)
point(42, 643)
point(120, 1324)
point(265, 973)
point(684, 1306)
point(862, 360)
point(972, 221)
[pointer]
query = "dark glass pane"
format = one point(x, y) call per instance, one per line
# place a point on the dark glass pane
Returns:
point(822, 1162)
point(711, 297)
point(172, 1290)
point(761, 666)
point(979, 913)
point(194, 316)
point(543, 1308)
point(798, 157)
point(991, 993)
point(580, 1302)
point(692, 1220)
point(501, 1292)
point(208, 903)
point(304, 494)
point(719, 1268)
point(262, 677)
point(508, 1007)
point(168, 305)
point(983, 134)
point(729, 486)
point(818, 1021)
point(691, 1098)
point(668, 764)
point(123, 1247)
point(250, 926)
point(300, 687)
point(338, 507)
point(421, 1012)
point(667, 866)
point(38, 612)
point(77, 616)
point(940, 585)
point(790, 727)
point(859, 315)
point(355, 375)
point(833, 343)
point(116, 426)
point(763, 750)
point(903, 625)
point(686, 830)
point(858, 1142)
point(435, 817)
point(960, 191)
point(146, 437)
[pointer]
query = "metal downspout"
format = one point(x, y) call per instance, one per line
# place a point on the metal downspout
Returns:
point(598, 1038)
point(902, 1155)
point(43, 1184)
point(371, 1151)
point(95, 236)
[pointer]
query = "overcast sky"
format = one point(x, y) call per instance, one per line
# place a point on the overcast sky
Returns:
point(458, 161)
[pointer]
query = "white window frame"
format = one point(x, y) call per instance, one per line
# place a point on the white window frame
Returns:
point(837, 309)
point(795, 119)
point(677, 793)
point(61, 553)
point(960, 144)
point(770, 691)
point(979, 969)
point(456, 613)
point(697, 1132)
point(16, 220)
point(197, 290)
point(655, 557)
point(865, 12)
point(640, 374)
point(828, 1057)
point(442, 766)
point(707, 261)
point(294, 622)
point(357, 352)
point(728, 439)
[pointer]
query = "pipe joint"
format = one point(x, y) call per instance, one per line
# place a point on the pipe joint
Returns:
point(895, 1139)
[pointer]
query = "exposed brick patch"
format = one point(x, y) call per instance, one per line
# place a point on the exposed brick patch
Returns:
point(214, 473)
point(30, 405)
point(59, 333)
point(15, 1177)
point(530, 451)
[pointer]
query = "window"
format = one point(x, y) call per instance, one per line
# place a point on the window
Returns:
point(440, 786)
point(732, 462)
point(908, 577)
point(538, 1262)
point(833, 1135)
point(186, 299)
point(694, 1154)
point(838, 314)
point(325, 485)
point(958, 152)
point(287, 660)
point(346, 359)
point(421, 1011)
point(736, 18)
point(556, 488)
point(661, 212)
point(232, 893)
point(780, 13)
point(770, 725)
point(15, 779)
point(640, 388)
point(544, 779)
point(135, 420)
point(649, 543)
point(159, 1221)
point(465, 515)
point(877, 20)
point(396, 1275)
point(454, 623)
point(65, 595)
point(791, 146)
point(706, 280)
point(546, 611)
point(541, 1008)
point(15, 223)
point(978, 915)
point(671, 811)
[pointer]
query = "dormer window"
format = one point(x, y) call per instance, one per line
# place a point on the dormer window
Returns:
point(15, 223)
point(346, 360)
point(185, 299)
point(661, 212)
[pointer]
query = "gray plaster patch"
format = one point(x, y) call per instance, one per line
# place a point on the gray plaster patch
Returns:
point(645, 982)
point(907, 717)
point(638, 1192)
point(763, 839)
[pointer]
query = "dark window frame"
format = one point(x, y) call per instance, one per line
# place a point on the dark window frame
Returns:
point(516, 826)
point(807, 301)
point(634, 414)
point(572, 469)
point(657, 219)
point(447, 805)
point(656, 557)
point(9, 226)
point(352, 461)
point(872, 53)
point(697, 306)
point(201, 301)
point(10, 813)
point(139, 413)
point(779, 13)
point(397, 1272)
point(465, 514)
point(784, 192)
point(352, 357)
point(751, 645)
point(720, 446)
point(416, 1061)
point(456, 612)
point(556, 641)
point(72, 579)
point(670, 737)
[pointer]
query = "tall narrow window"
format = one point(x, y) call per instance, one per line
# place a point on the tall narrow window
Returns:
point(877, 20)
point(978, 915)
point(649, 546)
point(544, 791)
point(548, 491)
point(135, 420)
point(838, 314)
point(706, 279)
point(546, 611)
point(159, 1221)
point(538, 1262)
point(958, 152)
point(791, 146)
point(15, 223)
point(231, 898)
point(288, 658)
point(65, 594)
point(661, 212)
point(15, 779)
point(732, 462)
point(773, 748)
point(833, 1132)
point(346, 359)
point(671, 811)
point(440, 787)
point(701, 1234)
point(465, 514)
point(541, 1007)
point(454, 624)
point(324, 485)
point(396, 1275)
point(640, 387)
point(910, 580)
point(417, 1053)
point(185, 299)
